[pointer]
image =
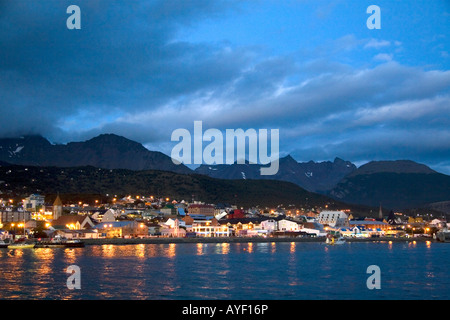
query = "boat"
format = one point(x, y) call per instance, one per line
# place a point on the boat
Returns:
point(443, 235)
point(333, 241)
point(59, 242)
point(22, 245)
point(3, 244)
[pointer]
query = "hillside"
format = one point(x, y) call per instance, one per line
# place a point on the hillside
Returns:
point(24, 180)
point(394, 184)
point(106, 151)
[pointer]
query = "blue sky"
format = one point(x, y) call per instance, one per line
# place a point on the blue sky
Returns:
point(311, 69)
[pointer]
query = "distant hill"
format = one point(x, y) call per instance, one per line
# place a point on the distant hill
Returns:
point(24, 180)
point(312, 176)
point(395, 184)
point(397, 166)
point(107, 151)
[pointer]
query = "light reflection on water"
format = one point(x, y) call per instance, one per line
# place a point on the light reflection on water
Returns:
point(228, 271)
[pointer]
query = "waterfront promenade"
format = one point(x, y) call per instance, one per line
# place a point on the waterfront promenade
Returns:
point(165, 240)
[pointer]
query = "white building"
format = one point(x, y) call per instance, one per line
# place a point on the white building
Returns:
point(33, 201)
point(288, 225)
point(333, 218)
point(174, 223)
point(269, 225)
point(317, 232)
point(211, 230)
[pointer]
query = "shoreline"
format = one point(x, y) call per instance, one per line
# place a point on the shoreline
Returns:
point(132, 241)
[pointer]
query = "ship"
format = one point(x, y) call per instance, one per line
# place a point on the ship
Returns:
point(59, 242)
point(22, 245)
point(443, 235)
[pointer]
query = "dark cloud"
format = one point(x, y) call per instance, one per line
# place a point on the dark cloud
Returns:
point(126, 72)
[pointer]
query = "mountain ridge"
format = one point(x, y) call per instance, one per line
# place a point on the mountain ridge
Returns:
point(394, 183)
point(108, 151)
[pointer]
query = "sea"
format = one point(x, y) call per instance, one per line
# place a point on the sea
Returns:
point(229, 271)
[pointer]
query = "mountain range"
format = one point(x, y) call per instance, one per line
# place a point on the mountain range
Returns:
point(312, 176)
point(108, 151)
point(393, 184)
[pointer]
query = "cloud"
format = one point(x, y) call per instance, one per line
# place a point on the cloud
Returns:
point(127, 72)
point(383, 57)
point(377, 44)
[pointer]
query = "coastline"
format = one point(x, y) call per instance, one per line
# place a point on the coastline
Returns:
point(121, 241)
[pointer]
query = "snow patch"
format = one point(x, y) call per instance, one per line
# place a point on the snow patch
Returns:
point(18, 149)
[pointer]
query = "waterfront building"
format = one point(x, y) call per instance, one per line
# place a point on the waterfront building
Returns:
point(246, 226)
point(205, 226)
point(77, 234)
point(333, 219)
point(314, 228)
point(172, 228)
point(172, 223)
point(211, 230)
point(369, 226)
point(270, 225)
point(72, 222)
point(288, 225)
point(122, 229)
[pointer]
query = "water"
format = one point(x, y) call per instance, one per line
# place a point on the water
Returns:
point(241, 271)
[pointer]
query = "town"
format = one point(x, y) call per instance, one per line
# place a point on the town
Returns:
point(139, 217)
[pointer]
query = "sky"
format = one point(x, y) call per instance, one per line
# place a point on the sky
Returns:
point(312, 69)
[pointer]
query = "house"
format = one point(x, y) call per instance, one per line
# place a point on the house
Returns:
point(216, 230)
point(205, 226)
point(256, 226)
point(172, 223)
point(154, 229)
point(436, 223)
point(270, 225)
point(201, 209)
point(369, 226)
point(108, 216)
point(236, 214)
point(198, 219)
point(72, 222)
point(122, 229)
point(169, 210)
point(173, 228)
point(77, 234)
point(288, 225)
